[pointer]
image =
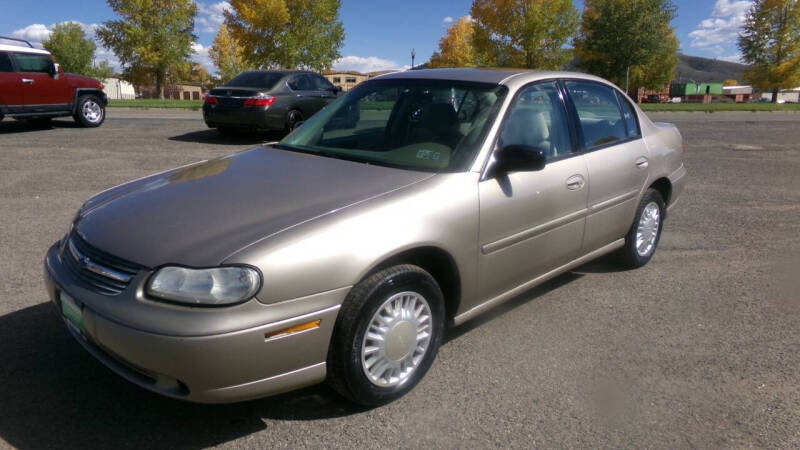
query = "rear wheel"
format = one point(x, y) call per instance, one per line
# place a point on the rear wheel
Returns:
point(387, 335)
point(645, 233)
point(90, 111)
point(294, 119)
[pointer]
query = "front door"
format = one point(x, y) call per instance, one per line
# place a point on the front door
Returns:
point(532, 222)
point(616, 156)
point(41, 90)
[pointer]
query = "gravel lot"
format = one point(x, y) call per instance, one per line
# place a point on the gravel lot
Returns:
point(700, 348)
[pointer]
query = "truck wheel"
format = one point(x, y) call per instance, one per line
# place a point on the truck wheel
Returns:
point(90, 112)
point(386, 335)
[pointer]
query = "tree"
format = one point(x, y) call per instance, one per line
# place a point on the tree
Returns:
point(659, 70)
point(456, 48)
point(523, 33)
point(71, 48)
point(101, 71)
point(618, 37)
point(770, 43)
point(287, 33)
point(152, 39)
point(227, 55)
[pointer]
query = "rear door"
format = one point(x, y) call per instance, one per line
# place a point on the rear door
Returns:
point(10, 85)
point(616, 157)
point(41, 90)
point(306, 97)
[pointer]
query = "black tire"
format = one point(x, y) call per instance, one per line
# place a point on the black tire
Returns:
point(90, 111)
point(345, 372)
point(293, 119)
point(629, 256)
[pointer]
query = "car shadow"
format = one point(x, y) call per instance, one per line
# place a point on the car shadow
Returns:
point(212, 136)
point(21, 126)
point(53, 394)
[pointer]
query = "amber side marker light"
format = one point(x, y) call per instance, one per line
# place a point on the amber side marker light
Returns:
point(295, 329)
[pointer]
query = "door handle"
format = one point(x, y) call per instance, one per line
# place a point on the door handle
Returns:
point(27, 80)
point(642, 163)
point(575, 182)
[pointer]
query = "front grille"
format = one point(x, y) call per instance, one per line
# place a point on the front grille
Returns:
point(96, 269)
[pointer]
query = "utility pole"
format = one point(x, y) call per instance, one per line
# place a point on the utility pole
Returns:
point(413, 55)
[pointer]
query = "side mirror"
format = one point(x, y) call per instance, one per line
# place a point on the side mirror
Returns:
point(519, 158)
point(336, 89)
point(54, 70)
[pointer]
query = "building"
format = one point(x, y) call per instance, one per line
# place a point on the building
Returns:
point(687, 89)
point(349, 79)
point(118, 89)
point(738, 94)
point(784, 96)
point(345, 79)
point(177, 91)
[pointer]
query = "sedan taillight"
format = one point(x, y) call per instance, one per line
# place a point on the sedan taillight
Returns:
point(266, 100)
point(211, 100)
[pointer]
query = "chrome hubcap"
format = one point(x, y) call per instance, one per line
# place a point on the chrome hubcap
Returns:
point(92, 111)
point(647, 231)
point(397, 339)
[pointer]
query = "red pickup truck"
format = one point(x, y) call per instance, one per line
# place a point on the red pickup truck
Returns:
point(33, 87)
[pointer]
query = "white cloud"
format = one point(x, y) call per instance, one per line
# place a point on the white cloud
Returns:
point(366, 64)
point(732, 58)
point(723, 26)
point(211, 16)
point(201, 57)
point(447, 20)
point(35, 33)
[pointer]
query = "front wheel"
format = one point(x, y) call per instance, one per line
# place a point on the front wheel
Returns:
point(645, 233)
point(386, 336)
point(90, 111)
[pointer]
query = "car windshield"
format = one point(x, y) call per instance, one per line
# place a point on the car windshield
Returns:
point(262, 80)
point(429, 125)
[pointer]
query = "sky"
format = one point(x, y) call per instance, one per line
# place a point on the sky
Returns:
point(380, 34)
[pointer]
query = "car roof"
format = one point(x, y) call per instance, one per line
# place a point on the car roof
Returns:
point(21, 49)
point(279, 71)
point(494, 76)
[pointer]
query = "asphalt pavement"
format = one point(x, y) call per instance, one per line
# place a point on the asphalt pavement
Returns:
point(700, 348)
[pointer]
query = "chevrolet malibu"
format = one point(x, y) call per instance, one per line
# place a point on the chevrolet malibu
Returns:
point(417, 201)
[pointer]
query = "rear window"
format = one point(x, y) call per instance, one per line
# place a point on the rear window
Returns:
point(5, 63)
point(261, 80)
point(28, 62)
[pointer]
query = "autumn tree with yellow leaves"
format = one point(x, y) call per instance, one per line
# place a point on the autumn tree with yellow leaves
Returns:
point(455, 48)
point(227, 55)
point(287, 33)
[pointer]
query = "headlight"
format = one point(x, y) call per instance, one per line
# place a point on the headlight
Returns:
point(217, 286)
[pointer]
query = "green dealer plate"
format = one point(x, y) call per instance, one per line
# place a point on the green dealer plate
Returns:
point(71, 312)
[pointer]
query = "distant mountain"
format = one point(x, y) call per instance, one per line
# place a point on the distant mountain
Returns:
point(697, 68)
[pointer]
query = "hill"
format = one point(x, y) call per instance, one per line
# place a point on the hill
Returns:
point(697, 68)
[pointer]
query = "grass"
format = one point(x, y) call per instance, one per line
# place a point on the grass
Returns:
point(155, 103)
point(713, 107)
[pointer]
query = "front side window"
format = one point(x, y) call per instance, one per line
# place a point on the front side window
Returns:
point(428, 125)
point(5, 63)
point(29, 62)
point(320, 83)
point(538, 119)
point(598, 113)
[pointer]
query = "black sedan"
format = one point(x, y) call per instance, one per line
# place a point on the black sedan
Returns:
point(267, 100)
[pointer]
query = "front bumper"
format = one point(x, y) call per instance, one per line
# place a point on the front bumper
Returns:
point(216, 368)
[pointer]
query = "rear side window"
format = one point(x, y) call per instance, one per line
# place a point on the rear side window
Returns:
point(598, 112)
point(629, 115)
point(5, 63)
point(28, 62)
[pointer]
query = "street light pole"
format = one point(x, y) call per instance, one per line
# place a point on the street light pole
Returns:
point(413, 54)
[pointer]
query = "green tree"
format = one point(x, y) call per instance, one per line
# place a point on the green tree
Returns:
point(287, 33)
point(523, 33)
point(227, 55)
point(456, 48)
point(101, 71)
point(152, 37)
point(71, 48)
point(770, 43)
point(620, 37)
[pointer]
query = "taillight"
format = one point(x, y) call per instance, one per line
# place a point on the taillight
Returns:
point(211, 100)
point(267, 100)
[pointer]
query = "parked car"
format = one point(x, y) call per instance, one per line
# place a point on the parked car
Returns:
point(267, 100)
point(33, 87)
point(343, 251)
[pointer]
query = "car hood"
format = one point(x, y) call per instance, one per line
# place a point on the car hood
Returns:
point(200, 214)
point(76, 80)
